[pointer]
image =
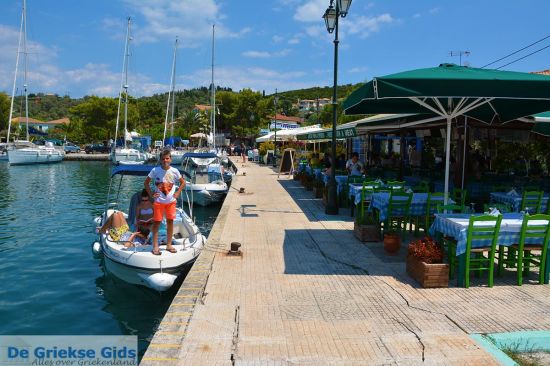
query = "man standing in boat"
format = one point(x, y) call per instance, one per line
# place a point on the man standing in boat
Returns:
point(165, 195)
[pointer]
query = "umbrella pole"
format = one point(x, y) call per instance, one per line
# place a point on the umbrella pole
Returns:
point(464, 152)
point(447, 159)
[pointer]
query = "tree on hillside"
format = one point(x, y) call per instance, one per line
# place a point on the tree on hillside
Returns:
point(98, 116)
point(4, 111)
point(244, 116)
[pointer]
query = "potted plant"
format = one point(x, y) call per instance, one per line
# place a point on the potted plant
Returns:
point(366, 228)
point(392, 242)
point(425, 263)
point(308, 183)
point(318, 188)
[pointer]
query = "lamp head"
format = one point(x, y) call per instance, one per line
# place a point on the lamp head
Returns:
point(330, 19)
point(343, 7)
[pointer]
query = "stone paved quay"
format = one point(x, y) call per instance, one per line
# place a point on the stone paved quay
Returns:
point(306, 292)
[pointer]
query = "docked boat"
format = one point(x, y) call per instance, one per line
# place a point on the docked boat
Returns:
point(138, 265)
point(26, 153)
point(207, 184)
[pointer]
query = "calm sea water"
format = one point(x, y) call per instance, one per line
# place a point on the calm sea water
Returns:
point(51, 284)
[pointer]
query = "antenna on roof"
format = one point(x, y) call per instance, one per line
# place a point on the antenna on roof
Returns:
point(460, 54)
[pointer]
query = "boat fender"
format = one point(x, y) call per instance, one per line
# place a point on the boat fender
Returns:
point(159, 281)
point(96, 249)
point(205, 192)
point(97, 220)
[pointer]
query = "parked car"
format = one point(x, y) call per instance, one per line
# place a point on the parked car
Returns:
point(71, 148)
point(97, 148)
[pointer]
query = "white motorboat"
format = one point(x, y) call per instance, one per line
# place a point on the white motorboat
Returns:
point(129, 156)
point(126, 154)
point(138, 265)
point(207, 184)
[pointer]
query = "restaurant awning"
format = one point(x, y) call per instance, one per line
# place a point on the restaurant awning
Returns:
point(450, 91)
point(343, 131)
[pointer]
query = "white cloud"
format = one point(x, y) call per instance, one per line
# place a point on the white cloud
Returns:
point(45, 76)
point(256, 78)
point(167, 19)
point(311, 11)
point(265, 54)
point(365, 25)
point(434, 10)
point(277, 39)
point(315, 31)
point(355, 70)
point(417, 15)
point(294, 40)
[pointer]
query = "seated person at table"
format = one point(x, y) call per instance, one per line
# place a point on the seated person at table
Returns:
point(314, 162)
point(354, 166)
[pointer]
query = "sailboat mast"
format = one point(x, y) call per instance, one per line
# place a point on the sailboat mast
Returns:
point(26, 67)
point(16, 68)
point(126, 85)
point(213, 94)
point(170, 102)
point(123, 82)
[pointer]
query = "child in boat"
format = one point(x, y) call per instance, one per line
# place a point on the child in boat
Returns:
point(144, 210)
point(118, 229)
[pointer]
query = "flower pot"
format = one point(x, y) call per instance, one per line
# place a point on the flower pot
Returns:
point(364, 233)
point(392, 243)
point(318, 191)
point(429, 275)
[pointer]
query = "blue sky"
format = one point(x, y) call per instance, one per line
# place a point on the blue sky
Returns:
point(76, 47)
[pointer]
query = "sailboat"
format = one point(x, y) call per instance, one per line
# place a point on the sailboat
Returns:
point(177, 155)
point(126, 154)
point(24, 151)
point(207, 184)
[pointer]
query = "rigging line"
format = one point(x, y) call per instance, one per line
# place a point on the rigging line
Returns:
point(513, 53)
point(521, 58)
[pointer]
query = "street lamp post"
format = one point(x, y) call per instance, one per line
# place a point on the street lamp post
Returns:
point(276, 102)
point(336, 9)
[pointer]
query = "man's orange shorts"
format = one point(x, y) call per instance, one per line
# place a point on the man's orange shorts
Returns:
point(164, 209)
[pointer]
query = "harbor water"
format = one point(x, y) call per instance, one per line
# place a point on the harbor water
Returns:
point(51, 284)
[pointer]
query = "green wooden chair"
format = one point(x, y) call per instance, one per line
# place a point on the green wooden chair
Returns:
point(524, 259)
point(459, 196)
point(398, 211)
point(502, 207)
point(531, 201)
point(485, 227)
point(434, 200)
point(395, 185)
point(366, 195)
point(421, 187)
point(449, 243)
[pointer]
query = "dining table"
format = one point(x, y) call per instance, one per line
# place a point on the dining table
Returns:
point(514, 199)
point(456, 226)
point(381, 202)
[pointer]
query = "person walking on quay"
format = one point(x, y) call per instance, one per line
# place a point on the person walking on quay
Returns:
point(165, 196)
point(243, 152)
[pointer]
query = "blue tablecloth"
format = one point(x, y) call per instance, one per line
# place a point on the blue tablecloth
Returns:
point(515, 200)
point(381, 201)
point(475, 189)
point(341, 181)
point(456, 226)
point(355, 193)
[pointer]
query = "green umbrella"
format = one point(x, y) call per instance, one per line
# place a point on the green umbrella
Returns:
point(450, 91)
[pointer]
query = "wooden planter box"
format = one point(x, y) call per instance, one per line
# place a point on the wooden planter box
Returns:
point(428, 274)
point(318, 191)
point(366, 232)
point(309, 185)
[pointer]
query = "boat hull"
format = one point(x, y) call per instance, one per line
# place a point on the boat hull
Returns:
point(34, 156)
point(130, 156)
